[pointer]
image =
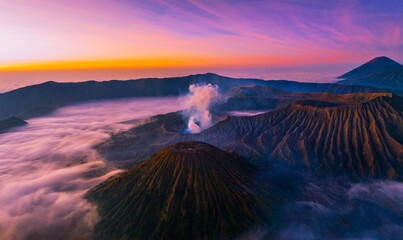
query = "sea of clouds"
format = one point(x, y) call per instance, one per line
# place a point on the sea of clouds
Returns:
point(48, 165)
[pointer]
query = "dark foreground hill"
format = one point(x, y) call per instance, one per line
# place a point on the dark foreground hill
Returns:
point(380, 72)
point(189, 190)
point(358, 140)
point(40, 99)
point(192, 190)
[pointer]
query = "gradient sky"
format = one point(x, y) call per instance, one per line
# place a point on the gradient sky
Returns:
point(85, 34)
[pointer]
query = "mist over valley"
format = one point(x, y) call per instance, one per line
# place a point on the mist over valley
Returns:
point(201, 120)
point(49, 164)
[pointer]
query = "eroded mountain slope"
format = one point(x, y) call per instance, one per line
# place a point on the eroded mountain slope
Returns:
point(360, 140)
point(189, 190)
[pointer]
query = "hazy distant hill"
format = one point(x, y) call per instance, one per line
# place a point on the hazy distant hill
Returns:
point(361, 139)
point(40, 99)
point(189, 190)
point(11, 122)
point(381, 72)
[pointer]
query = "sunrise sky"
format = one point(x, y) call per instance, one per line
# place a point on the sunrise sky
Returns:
point(86, 34)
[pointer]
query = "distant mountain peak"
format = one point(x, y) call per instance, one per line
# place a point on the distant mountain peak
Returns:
point(383, 60)
point(376, 65)
point(381, 72)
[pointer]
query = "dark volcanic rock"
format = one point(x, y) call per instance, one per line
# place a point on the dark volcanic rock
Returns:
point(358, 140)
point(189, 190)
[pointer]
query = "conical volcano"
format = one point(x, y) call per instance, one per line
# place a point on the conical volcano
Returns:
point(380, 72)
point(189, 190)
point(376, 65)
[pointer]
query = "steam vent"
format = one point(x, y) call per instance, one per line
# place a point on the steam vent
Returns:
point(189, 190)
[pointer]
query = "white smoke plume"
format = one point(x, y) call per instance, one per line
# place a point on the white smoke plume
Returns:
point(197, 106)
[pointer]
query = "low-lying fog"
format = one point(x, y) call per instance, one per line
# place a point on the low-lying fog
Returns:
point(47, 166)
point(247, 112)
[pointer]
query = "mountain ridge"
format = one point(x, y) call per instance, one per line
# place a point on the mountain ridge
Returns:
point(52, 95)
point(254, 97)
point(366, 137)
